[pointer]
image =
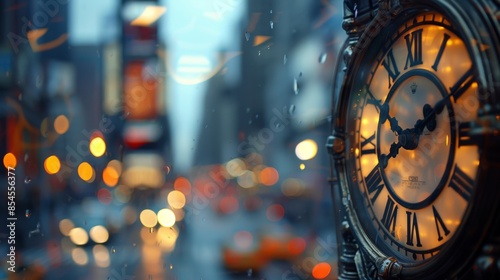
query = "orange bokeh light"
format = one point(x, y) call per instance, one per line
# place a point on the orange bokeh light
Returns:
point(183, 185)
point(9, 160)
point(228, 204)
point(52, 165)
point(296, 246)
point(110, 176)
point(269, 176)
point(321, 270)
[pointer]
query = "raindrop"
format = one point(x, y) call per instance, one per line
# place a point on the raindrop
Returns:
point(295, 86)
point(248, 109)
point(27, 180)
point(125, 265)
point(278, 125)
point(113, 250)
point(259, 53)
point(125, 115)
point(134, 244)
point(167, 169)
point(284, 59)
point(271, 23)
point(291, 110)
point(322, 58)
point(257, 116)
point(247, 36)
point(28, 213)
point(249, 273)
point(171, 266)
point(271, 11)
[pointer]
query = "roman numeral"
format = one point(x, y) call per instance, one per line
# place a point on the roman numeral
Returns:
point(461, 183)
point(464, 137)
point(414, 46)
point(366, 142)
point(390, 214)
point(412, 229)
point(440, 52)
point(439, 222)
point(374, 183)
point(462, 84)
point(392, 69)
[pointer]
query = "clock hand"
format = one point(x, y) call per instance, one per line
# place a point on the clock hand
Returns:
point(384, 114)
point(408, 140)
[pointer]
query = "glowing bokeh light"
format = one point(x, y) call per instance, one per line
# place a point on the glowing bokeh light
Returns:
point(101, 256)
point(79, 256)
point(65, 226)
point(235, 167)
point(306, 149)
point(97, 146)
point(99, 234)
point(183, 185)
point(52, 165)
point(9, 160)
point(78, 236)
point(176, 199)
point(110, 176)
point(61, 124)
point(321, 270)
point(148, 218)
point(166, 217)
point(243, 240)
point(269, 176)
point(85, 171)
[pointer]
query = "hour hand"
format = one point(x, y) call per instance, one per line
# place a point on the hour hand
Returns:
point(393, 152)
point(384, 116)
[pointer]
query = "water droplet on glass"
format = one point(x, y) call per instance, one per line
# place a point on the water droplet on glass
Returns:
point(257, 116)
point(151, 230)
point(278, 125)
point(167, 169)
point(322, 58)
point(171, 266)
point(284, 59)
point(247, 36)
point(28, 213)
point(27, 180)
point(125, 265)
point(248, 109)
point(259, 53)
point(295, 86)
point(291, 110)
point(249, 273)
point(271, 23)
point(134, 244)
point(271, 11)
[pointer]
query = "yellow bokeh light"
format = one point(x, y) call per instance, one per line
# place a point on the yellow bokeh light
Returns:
point(176, 199)
point(52, 165)
point(101, 256)
point(99, 234)
point(9, 160)
point(235, 167)
point(85, 171)
point(61, 124)
point(78, 236)
point(97, 146)
point(110, 176)
point(247, 179)
point(306, 149)
point(65, 226)
point(166, 217)
point(148, 218)
point(302, 166)
point(79, 256)
point(116, 165)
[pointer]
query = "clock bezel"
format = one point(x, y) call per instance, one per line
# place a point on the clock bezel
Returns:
point(475, 223)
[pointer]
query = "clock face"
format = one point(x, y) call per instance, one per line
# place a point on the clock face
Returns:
point(411, 164)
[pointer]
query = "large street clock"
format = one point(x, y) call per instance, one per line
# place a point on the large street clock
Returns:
point(415, 141)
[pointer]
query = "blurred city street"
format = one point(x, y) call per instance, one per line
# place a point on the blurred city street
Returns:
point(167, 139)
